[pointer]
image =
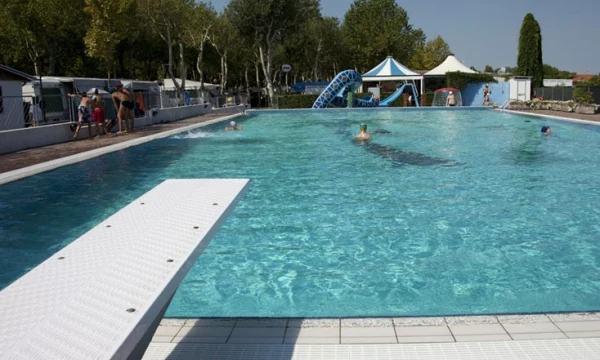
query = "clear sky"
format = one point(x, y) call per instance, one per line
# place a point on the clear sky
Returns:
point(482, 32)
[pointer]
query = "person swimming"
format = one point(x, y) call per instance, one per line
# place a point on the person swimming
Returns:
point(546, 130)
point(232, 126)
point(363, 135)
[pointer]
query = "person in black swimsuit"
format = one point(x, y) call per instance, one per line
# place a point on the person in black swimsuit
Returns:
point(124, 106)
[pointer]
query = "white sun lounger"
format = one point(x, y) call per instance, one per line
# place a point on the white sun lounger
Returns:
point(102, 296)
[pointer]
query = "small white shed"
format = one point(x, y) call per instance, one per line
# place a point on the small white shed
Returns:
point(520, 88)
point(11, 105)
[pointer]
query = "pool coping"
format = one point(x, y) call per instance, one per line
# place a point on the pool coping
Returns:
point(387, 330)
point(553, 117)
point(18, 174)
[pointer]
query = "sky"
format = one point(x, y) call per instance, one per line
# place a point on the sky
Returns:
point(484, 32)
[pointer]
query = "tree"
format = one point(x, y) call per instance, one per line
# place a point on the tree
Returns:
point(473, 68)
point(529, 60)
point(41, 30)
point(551, 72)
point(202, 21)
point(170, 19)
point(594, 81)
point(431, 54)
point(488, 69)
point(267, 22)
point(224, 38)
point(108, 26)
point(374, 29)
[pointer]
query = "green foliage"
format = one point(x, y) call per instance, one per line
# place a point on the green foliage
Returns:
point(429, 55)
point(595, 81)
point(307, 101)
point(297, 101)
point(488, 69)
point(550, 72)
point(460, 80)
point(374, 29)
point(582, 96)
point(529, 61)
point(108, 26)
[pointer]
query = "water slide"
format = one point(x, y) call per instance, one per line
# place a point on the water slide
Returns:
point(397, 93)
point(336, 92)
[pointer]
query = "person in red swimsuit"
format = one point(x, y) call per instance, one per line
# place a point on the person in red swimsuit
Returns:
point(98, 111)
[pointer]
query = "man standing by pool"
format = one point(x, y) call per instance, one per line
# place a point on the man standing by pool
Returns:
point(123, 103)
point(450, 100)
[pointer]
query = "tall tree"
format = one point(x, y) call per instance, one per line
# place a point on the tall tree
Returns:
point(43, 30)
point(108, 26)
point(431, 54)
point(224, 38)
point(488, 69)
point(267, 22)
point(375, 29)
point(202, 21)
point(170, 19)
point(529, 60)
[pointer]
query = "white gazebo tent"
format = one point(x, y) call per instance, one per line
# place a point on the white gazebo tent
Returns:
point(391, 70)
point(451, 64)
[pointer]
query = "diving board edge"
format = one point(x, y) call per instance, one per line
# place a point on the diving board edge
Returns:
point(99, 296)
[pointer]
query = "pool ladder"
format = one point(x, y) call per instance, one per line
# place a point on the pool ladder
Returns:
point(505, 105)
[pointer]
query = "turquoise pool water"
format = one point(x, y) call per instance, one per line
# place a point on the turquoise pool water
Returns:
point(451, 212)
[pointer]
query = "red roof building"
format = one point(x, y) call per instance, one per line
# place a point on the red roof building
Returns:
point(580, 78)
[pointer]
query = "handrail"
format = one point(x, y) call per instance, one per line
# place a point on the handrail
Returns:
point(505, 105)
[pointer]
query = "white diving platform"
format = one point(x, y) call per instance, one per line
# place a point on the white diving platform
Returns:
point(103, 295)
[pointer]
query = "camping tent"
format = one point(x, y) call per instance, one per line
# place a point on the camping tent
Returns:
point(449, 65)
point(391, 70)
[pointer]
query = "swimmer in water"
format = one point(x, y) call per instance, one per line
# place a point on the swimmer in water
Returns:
point(363, 135)
point(546, 130)
point(232, 126)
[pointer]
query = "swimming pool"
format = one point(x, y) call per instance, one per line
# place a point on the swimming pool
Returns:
point(445, 212)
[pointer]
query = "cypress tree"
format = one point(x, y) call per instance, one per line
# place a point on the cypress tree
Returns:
point(529, 61)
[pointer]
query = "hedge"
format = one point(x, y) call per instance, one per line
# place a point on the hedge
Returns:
point(460, 80)
point(297, 101)
point(306, 101)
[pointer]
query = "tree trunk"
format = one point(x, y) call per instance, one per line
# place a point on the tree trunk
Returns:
point(199, 67)
point(257, 75)
point(316, 63)
point(247, 79)
point(182, 66)
point(170, 65)
point(225, 71)
point(267, 63)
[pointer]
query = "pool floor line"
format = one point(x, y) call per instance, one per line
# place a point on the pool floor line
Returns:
point(553, 117)
point(18, 174)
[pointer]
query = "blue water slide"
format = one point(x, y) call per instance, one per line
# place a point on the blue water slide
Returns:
point(397, 93)
point(335, 93)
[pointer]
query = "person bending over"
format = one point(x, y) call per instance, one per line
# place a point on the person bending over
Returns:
point(84, 114)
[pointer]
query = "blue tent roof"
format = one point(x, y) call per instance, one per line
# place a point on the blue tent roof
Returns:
point(390, 68)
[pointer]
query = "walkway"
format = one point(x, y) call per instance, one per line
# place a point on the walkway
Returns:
point(24, 158)
point(551, 336)
point(595, 117)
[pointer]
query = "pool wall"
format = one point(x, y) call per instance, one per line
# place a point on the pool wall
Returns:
point(68, 160)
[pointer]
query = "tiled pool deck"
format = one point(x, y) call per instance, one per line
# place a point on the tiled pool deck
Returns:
point(379, 330)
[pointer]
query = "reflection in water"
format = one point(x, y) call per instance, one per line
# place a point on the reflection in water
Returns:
point(400, 157)
point(525, 148)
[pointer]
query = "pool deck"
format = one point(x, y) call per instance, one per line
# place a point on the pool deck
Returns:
point(574, 116)
point(34, 156)
point(580, 332)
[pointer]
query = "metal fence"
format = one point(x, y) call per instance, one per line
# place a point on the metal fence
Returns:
point(170, 98)
point(565, 93)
